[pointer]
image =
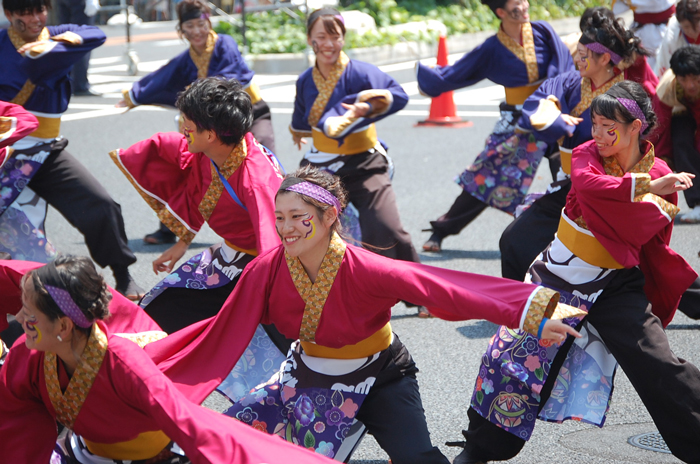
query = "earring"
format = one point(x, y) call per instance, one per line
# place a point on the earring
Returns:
point(59, 338)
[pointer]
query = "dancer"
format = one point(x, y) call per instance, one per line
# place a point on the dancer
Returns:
point(216, 173)
point(35, 74)
point(337, 299)
point(611, 258)
point(527, 53)
point(679, 93)
point(559, 113)
point(72, 369)
point(683, 29)
point(337, 103)
point(209, 54)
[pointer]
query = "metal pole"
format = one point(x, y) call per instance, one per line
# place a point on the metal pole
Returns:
point(243, 28)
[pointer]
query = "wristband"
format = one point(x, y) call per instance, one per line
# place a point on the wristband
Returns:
point(539, 331)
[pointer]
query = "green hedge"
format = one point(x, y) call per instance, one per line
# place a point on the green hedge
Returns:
point(276, 32)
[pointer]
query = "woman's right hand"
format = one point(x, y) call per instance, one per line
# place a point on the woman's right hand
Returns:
point(166, 262)
point(556, 331)
point(670, 183)
point(121, 104)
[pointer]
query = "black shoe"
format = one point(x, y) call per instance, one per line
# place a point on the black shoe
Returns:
point(160, 237)
point(434, 243)
point(87, 93)
point(126, 285)
point(465, 458)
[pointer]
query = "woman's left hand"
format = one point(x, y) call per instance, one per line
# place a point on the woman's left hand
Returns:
point(556, 331)
point(671, 183)
point(23, 49)
point(356, 110)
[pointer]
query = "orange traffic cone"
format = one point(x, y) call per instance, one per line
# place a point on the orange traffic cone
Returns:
point(442, 107)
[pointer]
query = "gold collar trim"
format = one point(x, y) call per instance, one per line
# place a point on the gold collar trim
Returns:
point(202, 61)
point(588, 94)
point(643, 166)
point(525, 52)
point(18, 41)
point(216, 188)
point(68, 405)
point(325, 87)
point(316, 294)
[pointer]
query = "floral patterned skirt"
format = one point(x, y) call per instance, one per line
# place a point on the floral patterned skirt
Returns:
point(516, 365)
point(214, 267)
point(310, 401)
point(502, 173)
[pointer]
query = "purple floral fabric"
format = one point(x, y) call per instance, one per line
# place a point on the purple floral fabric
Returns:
point(305, 407)
point(502, 174)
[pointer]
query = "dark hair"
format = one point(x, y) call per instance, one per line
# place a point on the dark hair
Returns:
point(608, 106)
point(590, 11)
point(688, 10)
point(331, 21)
point(686, 61)
point(323, 179)
point(495, 4)
point(191, 9)
point(21, 6)
point(219, 105)
point(78, 276)
point(612, 34)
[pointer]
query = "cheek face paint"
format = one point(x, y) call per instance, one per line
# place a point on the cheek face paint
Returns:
point(588, 64)
point(314, 46)
point(20, 25)
point(616, 134)
point(312, 227)
point(33, 331)
point(189, 135)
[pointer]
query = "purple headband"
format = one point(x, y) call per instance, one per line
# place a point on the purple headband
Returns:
point(600, 49)
point(634, 109)
point(68, 306)
point(316, 192)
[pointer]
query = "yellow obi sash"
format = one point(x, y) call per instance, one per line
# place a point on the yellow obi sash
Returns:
point(375, 343)
point(357, 142)
point(254, 91)
point(584, 245)
point(49, 128)
point(565, 157)
point(145, 446)
point(518, 95)
point(252, 252)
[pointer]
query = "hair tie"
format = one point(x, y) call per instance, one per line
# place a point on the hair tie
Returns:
point(635, 110)
point(600, 49)
point(64, 301)
point(316, 192)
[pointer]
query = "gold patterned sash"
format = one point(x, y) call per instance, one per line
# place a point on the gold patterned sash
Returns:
point(202, 61)
point(315, 294)
point(28, 87)
point(68, 405)
point(588, 94)
point(325, 87)
point(525, 52)
point(216, 188)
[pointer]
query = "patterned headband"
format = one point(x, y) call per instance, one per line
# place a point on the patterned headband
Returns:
point(316, 192)
point(600, 49)
point(68, 306)
point(636, 112)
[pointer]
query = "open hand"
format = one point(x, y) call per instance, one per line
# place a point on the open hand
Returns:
point(556, 331)
point(166, 262)
point(356, 110)
point(671, 183)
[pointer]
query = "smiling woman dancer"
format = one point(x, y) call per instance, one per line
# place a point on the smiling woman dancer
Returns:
point(610, 258)
point(337, 103)
point(336, 299)
point(209, 54)
point(69, 368)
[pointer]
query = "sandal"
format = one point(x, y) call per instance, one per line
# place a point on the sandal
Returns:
point(434, 244)
point(691, 217)
point(127, 286)
point(423, 313)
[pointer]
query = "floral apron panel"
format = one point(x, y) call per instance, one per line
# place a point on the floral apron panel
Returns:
point(311, 402)
point(22, 212)
point(214, 267)
point(502, 173)
point(516, 365)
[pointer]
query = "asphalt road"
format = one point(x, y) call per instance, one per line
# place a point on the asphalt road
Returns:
point(427, 159)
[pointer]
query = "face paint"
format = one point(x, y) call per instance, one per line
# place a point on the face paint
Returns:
point(613, 132)
point(309, 223)
point(588, 63)
point(189, 135)
point(31, 327)
point(315, 47)
point(19, 25)
point(515, 13)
